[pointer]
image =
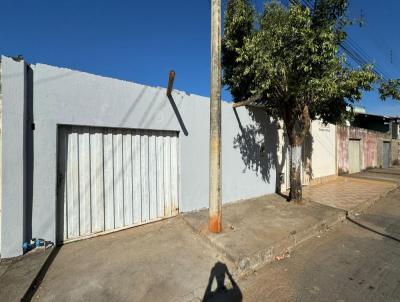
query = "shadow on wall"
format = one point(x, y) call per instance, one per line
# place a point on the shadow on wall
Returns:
point(307, 157)
point(178, 115)
point(146, 117)
point(30, 127)
point(259, 145)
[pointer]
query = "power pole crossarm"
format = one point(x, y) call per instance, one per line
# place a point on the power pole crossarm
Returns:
point(215, 223)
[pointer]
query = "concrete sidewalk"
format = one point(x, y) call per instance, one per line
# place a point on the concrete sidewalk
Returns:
point(352, 194)
point(18, 275)
point(389, 174)
point(259, 230)
point(162, 261)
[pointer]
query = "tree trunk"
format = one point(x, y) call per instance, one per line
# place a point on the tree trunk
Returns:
point(297, 126)
point(296, 193)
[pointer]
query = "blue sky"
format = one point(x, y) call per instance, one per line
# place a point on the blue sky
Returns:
point(141, 41)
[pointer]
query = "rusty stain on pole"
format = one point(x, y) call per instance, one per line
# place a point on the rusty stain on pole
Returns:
point(215, 223)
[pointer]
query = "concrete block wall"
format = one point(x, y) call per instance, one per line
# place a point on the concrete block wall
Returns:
point(379, 155)
point(371, 147)
point(342, 149)
point(382, 138)
point(395, 151)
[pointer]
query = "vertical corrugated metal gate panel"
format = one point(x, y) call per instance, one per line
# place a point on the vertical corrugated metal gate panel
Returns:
point(354, 156)
point(110, 179)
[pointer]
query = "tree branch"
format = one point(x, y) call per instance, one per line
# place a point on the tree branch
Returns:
point(247, 102)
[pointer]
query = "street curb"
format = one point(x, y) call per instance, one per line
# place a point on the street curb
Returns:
point(208, 241)
point(282, 248)
point(246, 264)
point(374, 178)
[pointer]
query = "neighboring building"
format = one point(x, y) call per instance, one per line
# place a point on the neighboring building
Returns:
point(368, 141)
point(373, 122)
point(359, 149)
point(380, 123)
point(395, 127)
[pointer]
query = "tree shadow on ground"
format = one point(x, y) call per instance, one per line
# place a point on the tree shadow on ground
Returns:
point(222, 293)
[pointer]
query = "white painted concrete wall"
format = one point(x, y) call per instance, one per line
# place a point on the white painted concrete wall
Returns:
point(66, 97)
point(13, 81)
point(319, 154)
point(323, 160)
point(251, 148)
point(1, 147)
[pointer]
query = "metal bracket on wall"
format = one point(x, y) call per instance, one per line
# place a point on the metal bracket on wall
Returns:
point(170, 82)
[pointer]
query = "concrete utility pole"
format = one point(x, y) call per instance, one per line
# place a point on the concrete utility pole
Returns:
point(214, 222)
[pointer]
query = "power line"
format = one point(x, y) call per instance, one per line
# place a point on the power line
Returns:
point(351, 48)
point(355, 46)
point(362, 58)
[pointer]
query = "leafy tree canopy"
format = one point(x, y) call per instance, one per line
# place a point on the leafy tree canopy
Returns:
point(288, 59)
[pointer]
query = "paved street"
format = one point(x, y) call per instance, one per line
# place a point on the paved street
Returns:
point(356, 261)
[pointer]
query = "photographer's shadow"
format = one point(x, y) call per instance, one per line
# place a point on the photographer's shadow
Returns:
point(222, 293)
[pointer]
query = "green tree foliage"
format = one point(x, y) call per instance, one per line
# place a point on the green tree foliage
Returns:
point(390, 89)
point(287, 60)
point(240, 16)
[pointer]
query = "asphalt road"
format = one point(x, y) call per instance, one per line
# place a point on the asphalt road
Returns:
point(358, 260)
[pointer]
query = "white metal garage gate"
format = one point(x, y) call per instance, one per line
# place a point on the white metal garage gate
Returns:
point(109, 179)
